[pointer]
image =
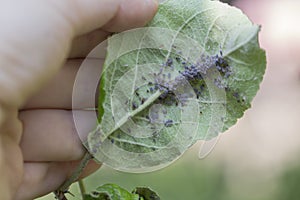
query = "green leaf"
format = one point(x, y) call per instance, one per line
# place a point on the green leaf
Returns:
point(111, 192)
point(187, 76)
point(146, 193)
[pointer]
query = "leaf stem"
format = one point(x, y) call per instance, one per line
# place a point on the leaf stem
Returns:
point(82, 188)
point(74, 177)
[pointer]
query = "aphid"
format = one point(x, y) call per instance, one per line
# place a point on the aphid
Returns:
point(137, 94)
point(150, 83)
point(236, 95)
point(168, 123)
point(151, 89)
point(143, 77)
point(169, 62)
point(155, 134)
point(177, 59)
point(202, 86)
point(112, 141)
point(147, 91)
point(134, 106)
point(243, 99)
point(143, 100)
point(222, 65)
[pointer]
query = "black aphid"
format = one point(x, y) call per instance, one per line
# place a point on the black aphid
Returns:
point(143, 100)
point(155, 134)
point(169, 123)
point(169, 62)
point(222, 65)
point(112, 141)
point(236, 95)
point(143, 77)
point(137, 94)
point(134, 106)
point(177, 59)
point(202, 86)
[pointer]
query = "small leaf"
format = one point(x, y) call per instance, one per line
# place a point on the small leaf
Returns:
point(111, 192)
point(187, 76)
point(146, 193)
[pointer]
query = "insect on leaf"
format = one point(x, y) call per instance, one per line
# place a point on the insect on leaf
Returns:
point(187, 76)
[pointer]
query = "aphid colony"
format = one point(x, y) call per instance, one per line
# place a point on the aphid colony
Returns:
point(176, 72)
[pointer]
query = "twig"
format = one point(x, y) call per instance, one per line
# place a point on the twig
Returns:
point(60, 193)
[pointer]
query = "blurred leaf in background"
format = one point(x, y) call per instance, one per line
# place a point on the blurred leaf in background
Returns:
point(289, 184)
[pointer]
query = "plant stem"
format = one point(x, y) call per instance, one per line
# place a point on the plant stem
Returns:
point(82, 188)
point(74, 177)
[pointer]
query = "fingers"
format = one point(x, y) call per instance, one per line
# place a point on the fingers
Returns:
point(43, 178)
point(136, 12)
point(36, 37)
point(52, 135)
point(82, 45)
point(130, 14)
point(70, 88)
point(116, 15)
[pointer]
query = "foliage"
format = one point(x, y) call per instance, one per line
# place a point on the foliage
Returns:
point(115, 192)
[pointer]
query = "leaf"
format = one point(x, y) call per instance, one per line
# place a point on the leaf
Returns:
point(187, 76)
point(111, 192)
point(146, 193)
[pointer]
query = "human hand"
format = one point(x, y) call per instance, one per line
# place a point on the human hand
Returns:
point(42, 44)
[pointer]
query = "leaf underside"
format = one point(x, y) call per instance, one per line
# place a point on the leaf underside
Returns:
point(187, 76)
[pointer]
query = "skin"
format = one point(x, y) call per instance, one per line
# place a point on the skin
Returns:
point(42, 44)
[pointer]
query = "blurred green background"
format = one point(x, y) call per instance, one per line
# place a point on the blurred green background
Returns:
point(192, 179)
point(257, 159)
